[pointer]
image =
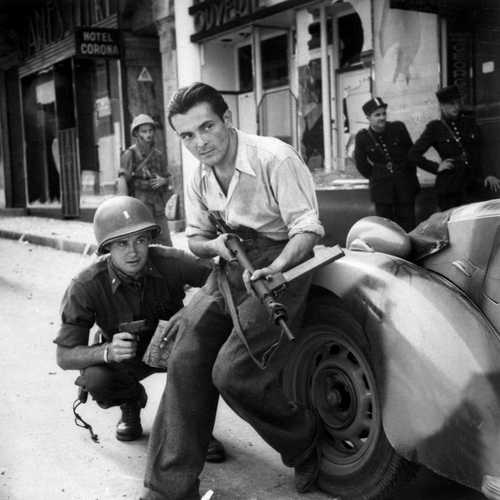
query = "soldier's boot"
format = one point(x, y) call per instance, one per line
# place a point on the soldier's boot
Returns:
point(216, 452)
point(129, 426)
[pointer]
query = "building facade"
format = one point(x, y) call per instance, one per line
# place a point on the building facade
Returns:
point(295, 69)
point(300, 71)
point(72, 76)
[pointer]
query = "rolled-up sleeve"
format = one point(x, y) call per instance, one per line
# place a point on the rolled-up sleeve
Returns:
point(197, 220)
point(77, 317)
point(294, 187)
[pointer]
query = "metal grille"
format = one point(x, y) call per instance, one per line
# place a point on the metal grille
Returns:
point(70, 173)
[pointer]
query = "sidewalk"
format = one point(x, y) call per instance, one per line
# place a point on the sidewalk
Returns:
point(68, 235)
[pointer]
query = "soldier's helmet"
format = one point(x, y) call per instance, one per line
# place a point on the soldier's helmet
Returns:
point(121, 216)
point(139, 120)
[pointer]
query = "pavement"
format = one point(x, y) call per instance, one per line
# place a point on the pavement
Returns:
point(62, 234)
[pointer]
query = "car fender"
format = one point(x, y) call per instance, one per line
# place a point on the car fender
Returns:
point(436, 358)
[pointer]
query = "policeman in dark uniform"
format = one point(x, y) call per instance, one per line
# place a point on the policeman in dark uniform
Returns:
point(455, 137)
point(381, 154)
point(132, 281)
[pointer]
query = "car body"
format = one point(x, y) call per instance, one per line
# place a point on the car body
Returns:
point(427, 344)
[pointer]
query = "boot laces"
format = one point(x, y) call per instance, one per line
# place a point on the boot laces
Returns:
point(130, 413)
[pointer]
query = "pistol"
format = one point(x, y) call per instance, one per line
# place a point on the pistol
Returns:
point(136, 327)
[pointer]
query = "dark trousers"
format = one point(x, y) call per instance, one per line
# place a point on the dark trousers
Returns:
point(208, 357)
point(402, 213)
point(115, 383)
point(450, 200)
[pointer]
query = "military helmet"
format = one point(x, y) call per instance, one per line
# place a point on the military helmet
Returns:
point(139, 120)
point(121, 216)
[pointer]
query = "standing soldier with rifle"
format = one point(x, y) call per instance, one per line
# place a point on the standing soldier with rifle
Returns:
point(143, 174)
point(226, 340)
point(125, 293)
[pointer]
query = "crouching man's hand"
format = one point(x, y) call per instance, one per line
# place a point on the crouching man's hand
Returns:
point(162, 342)
point(122, 347)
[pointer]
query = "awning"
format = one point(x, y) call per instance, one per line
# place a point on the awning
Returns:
point(442, 7)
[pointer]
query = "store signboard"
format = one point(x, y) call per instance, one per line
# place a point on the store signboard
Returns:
point(97, 42)
point(212, 17)
point(215, 15)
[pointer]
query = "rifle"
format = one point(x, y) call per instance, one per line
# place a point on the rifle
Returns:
point(267, 289)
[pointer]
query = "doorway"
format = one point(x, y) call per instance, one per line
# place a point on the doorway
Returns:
point(351, 79)
point(266, 104)
point(40, 131)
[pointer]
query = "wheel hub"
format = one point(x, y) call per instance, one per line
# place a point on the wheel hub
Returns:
point(342, 395)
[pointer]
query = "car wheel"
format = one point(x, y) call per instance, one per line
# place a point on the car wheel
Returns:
point(330, 371)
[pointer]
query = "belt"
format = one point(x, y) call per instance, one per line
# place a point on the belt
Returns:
point(252, 239)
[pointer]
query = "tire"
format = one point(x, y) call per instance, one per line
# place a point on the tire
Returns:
point(330, 371)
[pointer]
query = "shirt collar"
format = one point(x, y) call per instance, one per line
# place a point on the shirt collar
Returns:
point(241, 161)
point(114, 276)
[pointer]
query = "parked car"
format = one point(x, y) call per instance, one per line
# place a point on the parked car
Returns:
point(400, 355)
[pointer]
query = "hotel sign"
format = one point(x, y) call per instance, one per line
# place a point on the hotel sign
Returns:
point(97, 42)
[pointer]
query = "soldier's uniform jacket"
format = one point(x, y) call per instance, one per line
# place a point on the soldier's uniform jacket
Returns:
point(139, 167)
point(383, 159)
point(458, 140)
point(101, 295)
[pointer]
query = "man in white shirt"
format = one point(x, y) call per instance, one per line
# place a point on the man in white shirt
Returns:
point(265, 194)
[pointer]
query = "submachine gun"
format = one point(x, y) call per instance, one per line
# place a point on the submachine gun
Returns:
point(268, 289)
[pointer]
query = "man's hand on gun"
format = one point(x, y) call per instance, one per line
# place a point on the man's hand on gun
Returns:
point(263, 273)
point(124, 343)
point(122, 347)
point(219, 246)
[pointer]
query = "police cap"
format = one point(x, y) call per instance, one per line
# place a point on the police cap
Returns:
point(448, 94)
point(373, 104)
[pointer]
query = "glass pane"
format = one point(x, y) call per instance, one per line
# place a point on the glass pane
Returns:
point(274, 54)
point(40, 131)
point(245, 68)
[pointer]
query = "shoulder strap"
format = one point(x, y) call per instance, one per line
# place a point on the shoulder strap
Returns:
point(137, 166)
point(377, 144)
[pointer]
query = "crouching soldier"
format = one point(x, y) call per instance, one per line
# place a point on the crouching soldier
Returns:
point(131, 281)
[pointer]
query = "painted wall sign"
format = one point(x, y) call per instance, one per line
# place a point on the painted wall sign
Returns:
point(97, 42)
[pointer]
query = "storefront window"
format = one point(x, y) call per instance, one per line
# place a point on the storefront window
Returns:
point(99, 132)
point(72, 133)
point(40, 132)
point(274, 62)
point(245, 68)
point(348, 85)
point(351, 39)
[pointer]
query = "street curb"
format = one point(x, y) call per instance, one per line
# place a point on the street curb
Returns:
point(56, 243)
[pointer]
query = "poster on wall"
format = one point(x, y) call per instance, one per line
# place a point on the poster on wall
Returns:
point(407, 67)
